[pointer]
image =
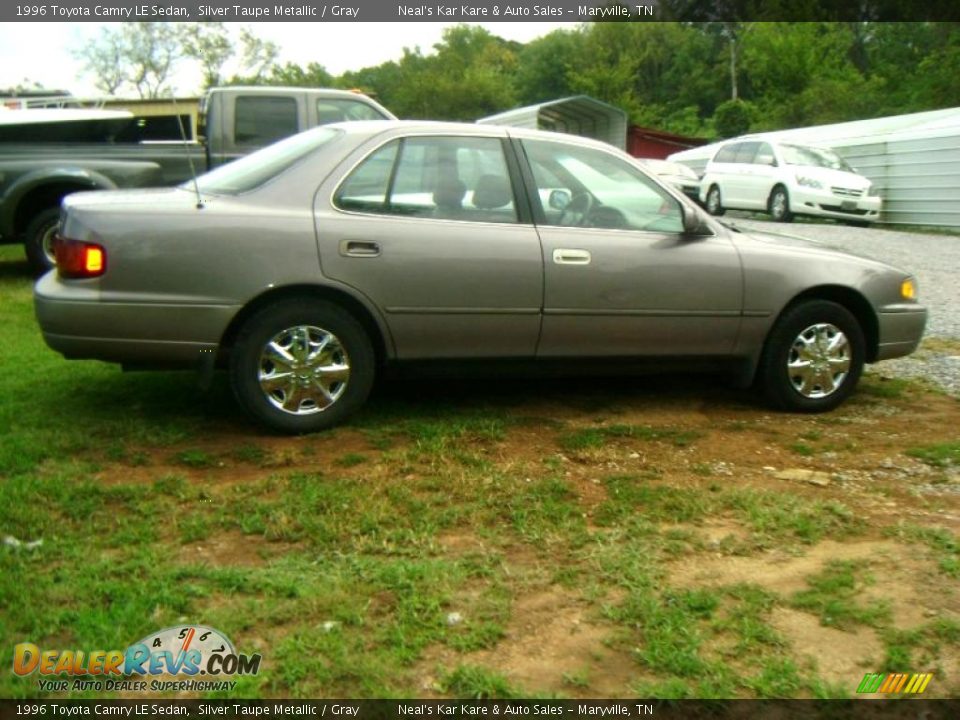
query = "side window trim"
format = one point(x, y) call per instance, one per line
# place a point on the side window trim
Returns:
point(392, 180)
point(521, 177)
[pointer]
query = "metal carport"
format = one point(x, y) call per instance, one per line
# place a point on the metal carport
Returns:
point(577, 115)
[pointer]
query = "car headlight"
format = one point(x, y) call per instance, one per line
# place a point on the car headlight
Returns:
point(874, 191)
point(809, 182)
point(908, 289)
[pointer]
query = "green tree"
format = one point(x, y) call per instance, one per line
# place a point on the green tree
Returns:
point(209, 44)
point(732, 118)
point(544, 66)
point(314, 75)
point(141, 55)
point(105, 59)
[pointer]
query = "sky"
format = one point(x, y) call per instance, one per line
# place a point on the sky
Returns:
point(44, 52)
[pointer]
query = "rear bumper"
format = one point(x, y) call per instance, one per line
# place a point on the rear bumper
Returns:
point(901, 329)
point(75, 323)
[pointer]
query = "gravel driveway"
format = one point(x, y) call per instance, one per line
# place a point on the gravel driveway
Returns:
point(933, 259)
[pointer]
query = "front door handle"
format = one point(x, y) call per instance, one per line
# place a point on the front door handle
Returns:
point(568, 256)
point(359, 248)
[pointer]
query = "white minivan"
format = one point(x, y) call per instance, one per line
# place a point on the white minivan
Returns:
point(787, 179)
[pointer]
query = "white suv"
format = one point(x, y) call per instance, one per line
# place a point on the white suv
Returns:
point(787, 179)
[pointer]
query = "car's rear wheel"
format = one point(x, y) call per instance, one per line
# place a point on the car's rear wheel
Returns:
point(779, 204)
point(302, 365)
point(714, 202)
point(813, 357)
point(38, 240)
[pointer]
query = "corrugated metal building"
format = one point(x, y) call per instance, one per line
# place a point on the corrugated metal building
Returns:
point(914, 160)
point(577, 115)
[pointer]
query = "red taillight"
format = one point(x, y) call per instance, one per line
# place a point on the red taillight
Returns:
point(78, 259)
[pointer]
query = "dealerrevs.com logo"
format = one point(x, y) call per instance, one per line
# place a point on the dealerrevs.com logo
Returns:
point(189, 658)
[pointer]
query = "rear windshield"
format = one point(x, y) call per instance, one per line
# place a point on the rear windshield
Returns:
point(813, 157)
point(257, 168)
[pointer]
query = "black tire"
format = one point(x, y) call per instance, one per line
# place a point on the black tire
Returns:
point(778, 204)
point(287, 409)
point(37, 237)
point(714, 204)
point(780, 372)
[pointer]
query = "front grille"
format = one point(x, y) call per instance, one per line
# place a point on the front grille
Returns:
point(846, 192)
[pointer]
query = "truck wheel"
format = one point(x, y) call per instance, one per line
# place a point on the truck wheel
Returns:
point(813, 357)
point(301, 366)
point(38, 240)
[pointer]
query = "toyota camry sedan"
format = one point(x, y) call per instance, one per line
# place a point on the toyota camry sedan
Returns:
point(311, 266)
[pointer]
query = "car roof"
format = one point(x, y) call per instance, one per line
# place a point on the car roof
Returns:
point(375, 127)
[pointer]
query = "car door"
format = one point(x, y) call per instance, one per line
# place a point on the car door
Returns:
point(621, 279)
point(427, 227)
point(722, 171)
point(745, 189)
point(763, 175)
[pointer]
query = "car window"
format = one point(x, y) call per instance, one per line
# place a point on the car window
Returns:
point(331, 110)
point(262, 120)
point(579, 186)
point(727, 154)
point(747, 151)
point(764, 155)
point(448, 178)
point(813, 157)
point(253, 170)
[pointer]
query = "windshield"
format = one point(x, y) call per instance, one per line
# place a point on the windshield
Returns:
point(813, 157)
point(255, 169)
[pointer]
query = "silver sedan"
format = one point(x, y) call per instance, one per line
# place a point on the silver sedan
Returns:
point(308, 267)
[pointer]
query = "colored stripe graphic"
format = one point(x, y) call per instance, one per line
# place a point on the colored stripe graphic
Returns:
point(870, 683)
point(892, 683)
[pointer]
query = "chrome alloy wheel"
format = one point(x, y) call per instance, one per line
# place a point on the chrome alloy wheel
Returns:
point(303, 370)
point(819, 361)
point(778, 205)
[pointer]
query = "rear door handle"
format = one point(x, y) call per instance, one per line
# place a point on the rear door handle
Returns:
point(569, 256)
point(359, 248)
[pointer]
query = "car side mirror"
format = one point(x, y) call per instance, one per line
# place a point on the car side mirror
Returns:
point(691, 219)
point(559, 199)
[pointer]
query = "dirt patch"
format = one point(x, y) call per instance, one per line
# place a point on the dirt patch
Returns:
point(786, 574)
point(553, 644)
point(838, 656)
point(231, 549)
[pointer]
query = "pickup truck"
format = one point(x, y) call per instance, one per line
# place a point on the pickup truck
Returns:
point(48, 154)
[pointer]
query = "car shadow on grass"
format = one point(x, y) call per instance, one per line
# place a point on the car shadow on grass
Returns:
point(14, 269)
point(395, 398)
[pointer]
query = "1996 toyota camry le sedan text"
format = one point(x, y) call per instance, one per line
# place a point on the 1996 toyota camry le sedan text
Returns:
point(309, 266)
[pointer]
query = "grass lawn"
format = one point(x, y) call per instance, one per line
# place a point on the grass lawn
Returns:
point(496, 538)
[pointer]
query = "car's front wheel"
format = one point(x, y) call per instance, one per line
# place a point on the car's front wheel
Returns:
point(813, 357)
point(714, 202)
point(779, 204)
point(302, 365)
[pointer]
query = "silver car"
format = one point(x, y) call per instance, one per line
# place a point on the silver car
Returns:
point(308, 267)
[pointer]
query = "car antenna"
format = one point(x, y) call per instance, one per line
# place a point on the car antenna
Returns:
point(186, 147)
